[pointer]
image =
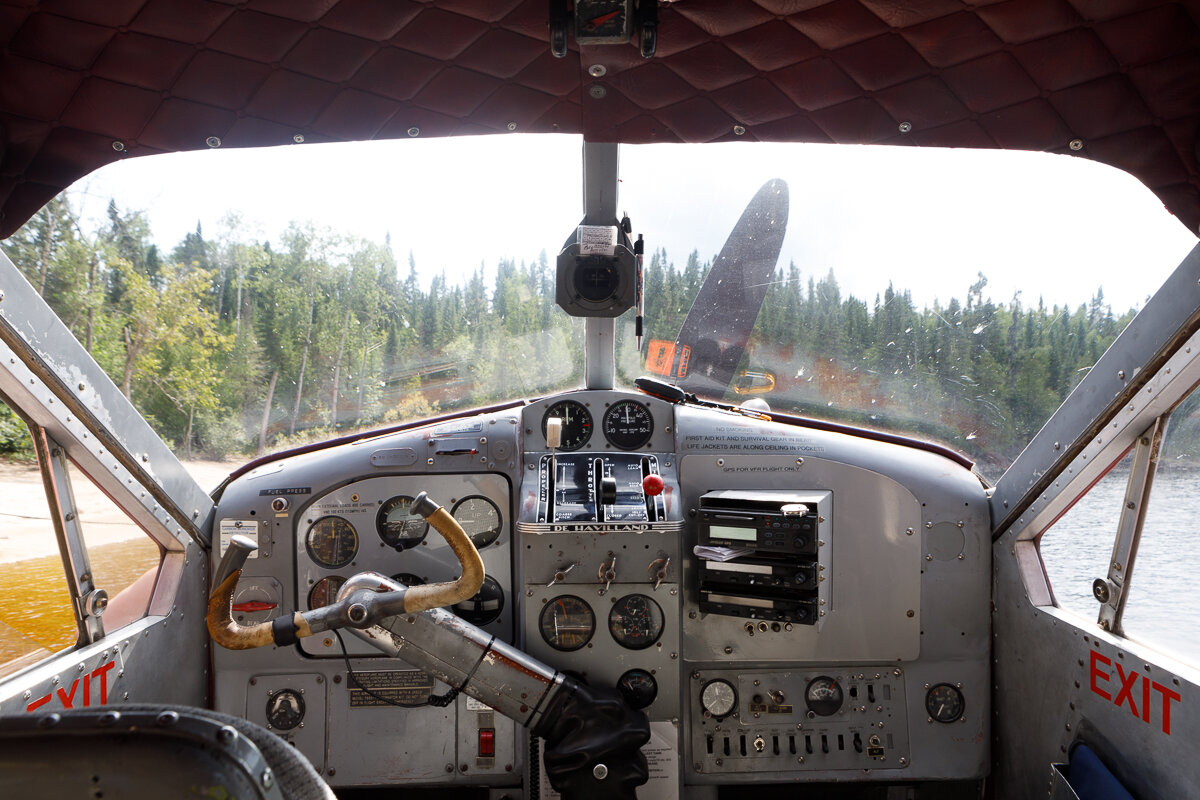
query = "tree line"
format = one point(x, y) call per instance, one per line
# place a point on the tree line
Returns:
point(230, 345)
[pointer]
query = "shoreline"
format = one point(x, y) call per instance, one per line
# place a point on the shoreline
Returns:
point(25, 528)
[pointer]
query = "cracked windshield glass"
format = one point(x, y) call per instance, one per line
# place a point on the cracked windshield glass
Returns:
point(250, 301)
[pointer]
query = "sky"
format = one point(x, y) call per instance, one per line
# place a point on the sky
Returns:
point(925, 219)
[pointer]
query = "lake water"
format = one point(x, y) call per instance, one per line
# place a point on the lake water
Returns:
point(1163, 606)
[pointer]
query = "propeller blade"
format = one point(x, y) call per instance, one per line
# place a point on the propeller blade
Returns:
point(705, 355)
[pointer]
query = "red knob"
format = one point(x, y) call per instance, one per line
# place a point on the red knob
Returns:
point(652, 485)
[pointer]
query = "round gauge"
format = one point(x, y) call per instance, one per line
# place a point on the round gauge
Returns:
point(332, 542)
point(823, 695)
point(285, 709)
point(719, 698)
point(485, 606)
point(408, 579)
point(638, 687)
point(324, 591)
point(398, 526)
point(944, 703)
point(628, 425)
point(567, 623)
point(480, 519)
point(635, 621)
point(576, 424)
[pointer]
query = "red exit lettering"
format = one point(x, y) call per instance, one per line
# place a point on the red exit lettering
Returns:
point(68, 696)
point(1131, 688)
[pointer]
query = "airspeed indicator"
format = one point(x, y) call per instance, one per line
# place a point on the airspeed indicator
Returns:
point(628, 425)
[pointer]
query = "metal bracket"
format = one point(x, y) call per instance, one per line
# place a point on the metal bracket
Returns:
point(1112, 593)
point(600, 184)
point(89, 601)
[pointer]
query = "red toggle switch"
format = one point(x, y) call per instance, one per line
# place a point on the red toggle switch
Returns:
point(487, 743)
point(652, 485)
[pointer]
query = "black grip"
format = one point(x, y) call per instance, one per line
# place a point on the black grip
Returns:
point(283, 631)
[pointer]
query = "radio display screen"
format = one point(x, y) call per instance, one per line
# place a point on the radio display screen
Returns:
point(729, 532)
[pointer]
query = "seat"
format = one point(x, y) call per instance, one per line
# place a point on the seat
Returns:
point(150, 751)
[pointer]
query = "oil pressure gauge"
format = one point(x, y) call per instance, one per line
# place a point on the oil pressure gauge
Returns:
point(944, 703)
point(718, 698)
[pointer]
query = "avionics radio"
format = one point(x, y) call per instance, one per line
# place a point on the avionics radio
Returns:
point(760, 554)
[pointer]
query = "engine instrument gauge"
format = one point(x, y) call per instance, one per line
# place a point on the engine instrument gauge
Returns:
point(331, 542)
point(285, 709)
point(944, 703)
point(638, 687)
point(627, 424)
point(325, 591)
point(484, 606)
point(823, 696)
point(576, 423)
point(718, 698)
point(479, 518)
point(636, 621)
point(567, 623)
point(398, 526)
point(408, 579)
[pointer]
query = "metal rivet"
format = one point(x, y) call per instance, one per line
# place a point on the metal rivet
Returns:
point(213, 141)
point(597, 70)
point(905, 127)
point(1121, 374)
point(512, 126)
point(414, 131)
point(1076, 144)
point(268, 780)
point(739, 130)
point(119, 146)
point(298, 138)
point(600, 772)
point(598, 92)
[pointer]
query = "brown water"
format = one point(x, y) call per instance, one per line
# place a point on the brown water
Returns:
point(35, 609)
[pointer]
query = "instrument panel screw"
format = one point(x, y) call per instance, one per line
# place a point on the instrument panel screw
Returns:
point(1076, 144)
point(600, 772)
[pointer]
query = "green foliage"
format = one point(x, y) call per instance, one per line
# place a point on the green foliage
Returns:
point(230, 339)
point(14, 436)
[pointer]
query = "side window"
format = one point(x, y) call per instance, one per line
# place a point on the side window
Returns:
point(1161, 605)
point(37, 614)
point(36, 617)
point(1076, 549)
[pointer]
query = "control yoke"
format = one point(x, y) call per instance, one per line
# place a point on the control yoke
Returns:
point(366, 605)
point(593, 738)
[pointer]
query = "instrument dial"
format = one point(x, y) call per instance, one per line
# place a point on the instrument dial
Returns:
point(636, 621)
point(567, 623)
point(576, 423)
point(325, 591)
point(398, 526)
point(484, 606)
point(479, 518)
point(627, 425)
point(638, 687)
point(718, 698)
point(823, 696)
point(285, 709)
point(331, 542)
point(944, 703)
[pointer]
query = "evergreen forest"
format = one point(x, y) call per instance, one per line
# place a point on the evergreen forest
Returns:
point(231, 346)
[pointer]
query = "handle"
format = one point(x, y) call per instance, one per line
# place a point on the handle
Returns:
point(360, 607)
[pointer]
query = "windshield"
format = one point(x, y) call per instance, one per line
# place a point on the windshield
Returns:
point(252, 300)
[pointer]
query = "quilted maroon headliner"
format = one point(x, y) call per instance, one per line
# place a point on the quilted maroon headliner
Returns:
point(81, 78)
